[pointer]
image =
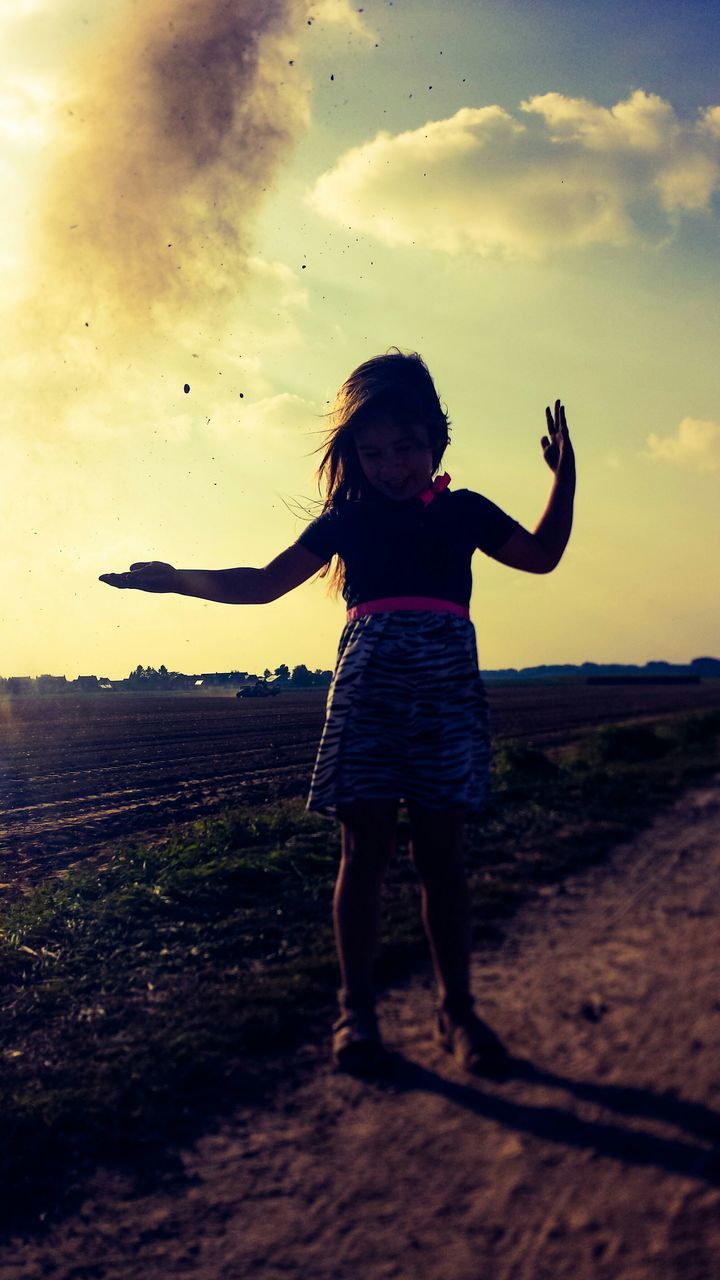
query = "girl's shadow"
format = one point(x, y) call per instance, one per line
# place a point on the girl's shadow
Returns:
point(555, 1124)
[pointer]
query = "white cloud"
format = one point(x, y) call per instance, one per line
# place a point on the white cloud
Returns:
point(643, 122)
point(341, 13)
point(566, 174)
point(710, 121)
point(14, 9)
point(26, 105)
point(695, 444)
point(282, 420)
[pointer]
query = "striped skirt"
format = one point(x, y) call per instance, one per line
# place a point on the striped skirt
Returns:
point(406, 715)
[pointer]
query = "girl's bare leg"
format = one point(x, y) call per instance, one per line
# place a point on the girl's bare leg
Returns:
point(437, 852)
point(368, 841)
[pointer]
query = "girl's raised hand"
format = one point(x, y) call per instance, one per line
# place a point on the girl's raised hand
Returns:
point(557, 449)
point(144, 575)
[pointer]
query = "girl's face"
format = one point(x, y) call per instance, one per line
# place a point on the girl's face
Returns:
point(396, 460)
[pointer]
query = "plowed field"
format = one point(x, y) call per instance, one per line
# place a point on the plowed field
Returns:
point(77, 772)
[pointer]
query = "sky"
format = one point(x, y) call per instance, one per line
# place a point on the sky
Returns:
point(252, 200)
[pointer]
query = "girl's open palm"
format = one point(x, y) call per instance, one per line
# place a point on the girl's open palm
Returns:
point(144, 575)
point(557, 449)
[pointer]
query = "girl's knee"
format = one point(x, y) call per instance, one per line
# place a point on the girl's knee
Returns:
point(361, 860)
point(438, 873)
point(369, 834)
point(369, 815)
point(364, 856)
point(437, 841)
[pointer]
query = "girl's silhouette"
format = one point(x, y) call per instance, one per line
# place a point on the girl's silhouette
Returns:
point(406, 714)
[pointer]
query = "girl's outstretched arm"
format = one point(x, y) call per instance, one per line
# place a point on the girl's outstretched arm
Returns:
point(226, 586)
point(541, 550)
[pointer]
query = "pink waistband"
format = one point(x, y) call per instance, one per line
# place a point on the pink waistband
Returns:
point(392, 603)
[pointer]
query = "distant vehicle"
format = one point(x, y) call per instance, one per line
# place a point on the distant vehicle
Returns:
point(259, 690)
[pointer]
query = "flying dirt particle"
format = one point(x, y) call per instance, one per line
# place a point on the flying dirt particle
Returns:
point(186, 388)
point(302, 267)
point(594, 1008)
point(291, 63)
point(332, 77)
point(242, 395)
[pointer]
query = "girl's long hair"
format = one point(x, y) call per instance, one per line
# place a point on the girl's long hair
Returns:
point(397, 384)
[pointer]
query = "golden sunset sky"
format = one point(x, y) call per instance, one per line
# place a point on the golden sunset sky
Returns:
point(252, 200)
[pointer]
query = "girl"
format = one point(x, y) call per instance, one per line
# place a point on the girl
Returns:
point(406, 714)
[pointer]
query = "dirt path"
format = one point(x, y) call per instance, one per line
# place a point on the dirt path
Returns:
point(599, 1160)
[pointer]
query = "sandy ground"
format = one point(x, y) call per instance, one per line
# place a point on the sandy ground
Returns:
point(599, 1159)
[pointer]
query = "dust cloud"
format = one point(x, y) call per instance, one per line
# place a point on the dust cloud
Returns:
point(170, 124)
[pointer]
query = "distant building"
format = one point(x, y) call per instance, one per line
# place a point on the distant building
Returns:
point(21, 684)
point(52, 684)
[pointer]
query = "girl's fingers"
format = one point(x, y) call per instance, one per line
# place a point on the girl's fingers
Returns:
point(113, 579)
point(557, 421)
point(140, 564)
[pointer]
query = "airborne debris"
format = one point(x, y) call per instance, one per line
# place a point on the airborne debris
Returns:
point(594, 1008)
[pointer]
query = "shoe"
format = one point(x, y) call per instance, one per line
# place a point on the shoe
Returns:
point(473, 1044)
point(356, 1044)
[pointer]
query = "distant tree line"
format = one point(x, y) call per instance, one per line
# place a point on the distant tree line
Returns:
point(160, 679)
point(145, 679)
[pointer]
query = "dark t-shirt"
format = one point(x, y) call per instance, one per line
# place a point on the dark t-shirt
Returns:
point(406, 548)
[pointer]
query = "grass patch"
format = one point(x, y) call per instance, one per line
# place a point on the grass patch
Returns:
point(141, 997)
